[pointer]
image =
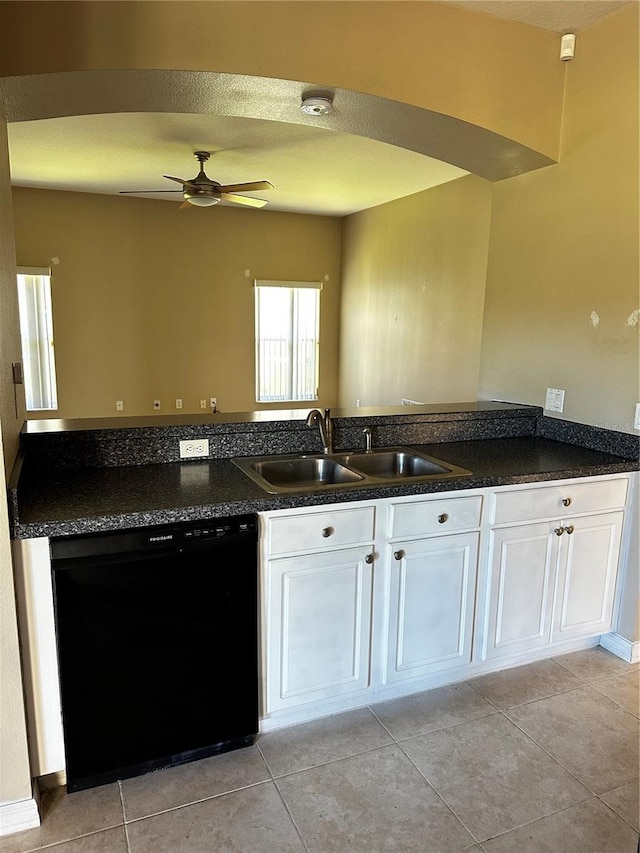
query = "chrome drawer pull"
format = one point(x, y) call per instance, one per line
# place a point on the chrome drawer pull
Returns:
point(398, 555)
point(368, 558)
point(559, 531)
point(570, 529)
point(327, 532)
point(442, 518)
point(566, 501)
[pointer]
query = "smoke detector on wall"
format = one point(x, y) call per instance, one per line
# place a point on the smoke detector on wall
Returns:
point(567, 46)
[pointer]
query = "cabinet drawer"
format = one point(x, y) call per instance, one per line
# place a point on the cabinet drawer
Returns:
point(559, 501)
point(419, 518)
point(319, 530)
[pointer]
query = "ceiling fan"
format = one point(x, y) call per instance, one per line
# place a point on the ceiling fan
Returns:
point(201, 191)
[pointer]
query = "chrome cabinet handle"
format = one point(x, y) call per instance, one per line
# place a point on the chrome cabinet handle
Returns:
point(368, 558)
point(442, 518)
point(566, 501)
point(559, 531)
point(398, 555)
point(570, 529)
point(327, 532)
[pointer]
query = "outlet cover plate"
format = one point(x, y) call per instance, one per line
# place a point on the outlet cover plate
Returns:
point(194, 447)
point(554, 401)
point(636, 423)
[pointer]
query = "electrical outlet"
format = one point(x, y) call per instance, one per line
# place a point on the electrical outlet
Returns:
point(156, 404)
point(203, 404)
point(194, 447)
point(554, 401)
point(178, 403)
point(636, 423)
point(119, 405)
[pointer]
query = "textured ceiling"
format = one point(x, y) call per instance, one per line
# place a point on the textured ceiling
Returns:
point(314, 170)
point(560, 16)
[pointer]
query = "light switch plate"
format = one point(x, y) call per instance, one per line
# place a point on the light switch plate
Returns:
point(554, 401)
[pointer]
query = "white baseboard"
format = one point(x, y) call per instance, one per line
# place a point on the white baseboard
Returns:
point(18, 815)
point(621, 647)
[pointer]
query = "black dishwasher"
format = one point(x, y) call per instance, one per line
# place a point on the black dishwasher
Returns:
point(157, 645)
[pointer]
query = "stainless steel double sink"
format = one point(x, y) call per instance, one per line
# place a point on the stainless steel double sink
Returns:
point(315, 472)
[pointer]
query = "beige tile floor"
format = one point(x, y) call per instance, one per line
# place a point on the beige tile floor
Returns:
point(542, 758)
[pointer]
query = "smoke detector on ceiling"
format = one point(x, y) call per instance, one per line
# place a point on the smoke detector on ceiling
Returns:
point(316, 105)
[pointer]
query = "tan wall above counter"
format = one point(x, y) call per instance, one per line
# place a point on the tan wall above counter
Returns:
point(413, 279)
point(152, 302)
point(562, 284)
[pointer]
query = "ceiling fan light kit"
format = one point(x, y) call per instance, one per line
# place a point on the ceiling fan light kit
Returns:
point(201, 191)
point(200, 199)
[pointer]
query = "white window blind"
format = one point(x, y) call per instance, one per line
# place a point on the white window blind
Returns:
point(36, 333)
point(287, 340)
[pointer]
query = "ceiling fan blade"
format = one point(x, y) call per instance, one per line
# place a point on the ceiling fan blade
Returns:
point(181, 181)
point(241, 199)
point(246, 188)
point(128, 192)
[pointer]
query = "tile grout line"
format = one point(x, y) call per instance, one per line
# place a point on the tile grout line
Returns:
point(611, 809)
point(291, 818)
point(619, 704)
point(538, 819)
point(124, 817)
point(439, 728)
point(197, 802)
point(552, 757)
point(586, 684)
point(52, 844)
point(440, 797)
point(333, 761)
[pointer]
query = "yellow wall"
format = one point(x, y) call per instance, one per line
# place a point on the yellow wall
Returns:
point(152, 302)
point(497, 74)
point(564, 244)
point(15, 777)
point(413, 279)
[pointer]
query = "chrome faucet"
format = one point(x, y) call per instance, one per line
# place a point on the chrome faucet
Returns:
point(323, 422)
point(367, 437)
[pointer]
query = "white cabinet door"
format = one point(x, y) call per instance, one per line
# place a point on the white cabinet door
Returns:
point(431, 605)
point(318, 626)
point(587, 575)
point(520, 589)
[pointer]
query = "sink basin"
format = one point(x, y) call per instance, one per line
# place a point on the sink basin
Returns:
point(302, 472)
point(340, 470)
point(396, 464)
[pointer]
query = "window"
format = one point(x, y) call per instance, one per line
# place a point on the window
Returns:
point(287, 340)
point(36, 332)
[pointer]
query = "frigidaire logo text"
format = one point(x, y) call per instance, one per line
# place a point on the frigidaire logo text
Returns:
point(167, 538)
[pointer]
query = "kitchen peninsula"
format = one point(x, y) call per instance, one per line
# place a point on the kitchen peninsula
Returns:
point(366, 592)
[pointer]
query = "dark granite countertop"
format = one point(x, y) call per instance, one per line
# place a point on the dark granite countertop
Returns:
point(69, 501)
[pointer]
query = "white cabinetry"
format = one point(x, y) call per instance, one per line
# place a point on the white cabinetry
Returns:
point(552, 565)
point(370, 600)
point(432, 584)
point(317, 608)
point(587, 569)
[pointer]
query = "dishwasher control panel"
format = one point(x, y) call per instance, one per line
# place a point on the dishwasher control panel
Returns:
point(154, 538)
